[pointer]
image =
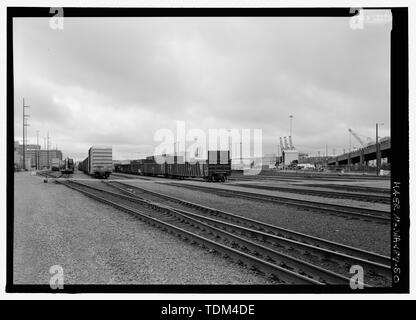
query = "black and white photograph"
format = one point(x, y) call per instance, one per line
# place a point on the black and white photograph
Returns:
point(207, 150)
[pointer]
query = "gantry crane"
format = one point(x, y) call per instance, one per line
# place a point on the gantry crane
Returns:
point(363, 145)
point(356, 137)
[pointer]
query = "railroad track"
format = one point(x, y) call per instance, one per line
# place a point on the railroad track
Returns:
point(323, 193)
point(283, 269)
point(50, 174)
point(268, 238)
point(352, 188)
point(306, 177)
point(121, 176)
point(326, 176)
point(129, 176)
point(257, 225)
point(364, 214)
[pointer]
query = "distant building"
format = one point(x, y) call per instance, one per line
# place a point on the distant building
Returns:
point(314, 160)
point(289, 156)
point(36, 158)
point(44, 158)
point(17, 156)
point(303, 157)
point(269, 159)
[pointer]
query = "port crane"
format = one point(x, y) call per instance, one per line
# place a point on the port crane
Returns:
point(355, 135)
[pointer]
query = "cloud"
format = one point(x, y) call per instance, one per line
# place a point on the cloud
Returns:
point(116, 81)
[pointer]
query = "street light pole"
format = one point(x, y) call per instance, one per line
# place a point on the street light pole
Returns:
point(47, 150)
point(25, 124)
point(229, 142)
point(378, 162)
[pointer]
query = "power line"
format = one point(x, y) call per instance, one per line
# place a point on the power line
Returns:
point(47, 149)
point(291, 117)
point(25, 124)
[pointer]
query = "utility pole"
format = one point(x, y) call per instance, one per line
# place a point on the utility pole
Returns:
point(196, 151)
point(24, 133)
point(278, 150)
point(378, 150)
point(350, 143)
point(37, 152)
point(229, 142)
point(241, 151)
point(349, 151)
point(47, 150)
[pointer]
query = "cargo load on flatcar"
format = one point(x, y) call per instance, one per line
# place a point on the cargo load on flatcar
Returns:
point(217, 167)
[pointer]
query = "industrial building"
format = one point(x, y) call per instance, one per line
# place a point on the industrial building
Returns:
point(290, 155)
point(36, 158)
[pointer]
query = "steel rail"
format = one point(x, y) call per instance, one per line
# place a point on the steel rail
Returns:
point(324, 254)
point(121, 175)
point(344, 211)
point(266, 267)
point(353, 188)
point(323, 176)
point(323, 193)
point(285, 177)
point(266, 227)
point(298, 265)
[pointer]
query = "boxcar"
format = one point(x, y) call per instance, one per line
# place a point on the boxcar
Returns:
point(99, 162)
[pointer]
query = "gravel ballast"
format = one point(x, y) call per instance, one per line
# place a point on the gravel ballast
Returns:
point(97, 244)
point(365, 235)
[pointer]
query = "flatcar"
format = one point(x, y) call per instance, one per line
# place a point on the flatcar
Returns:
point(99, 162)
point(216, 168)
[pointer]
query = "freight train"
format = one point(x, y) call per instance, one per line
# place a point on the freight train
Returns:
point(216, 168)
point(56, 164)
point(99, 162)
point(67, 166)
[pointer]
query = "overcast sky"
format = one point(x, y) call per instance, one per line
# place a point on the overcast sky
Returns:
point(115, 81)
